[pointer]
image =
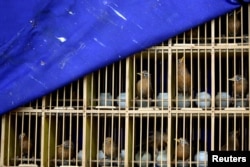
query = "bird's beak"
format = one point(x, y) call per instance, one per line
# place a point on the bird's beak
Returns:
point(178, 140)
point(231, 79)
point(139, 73)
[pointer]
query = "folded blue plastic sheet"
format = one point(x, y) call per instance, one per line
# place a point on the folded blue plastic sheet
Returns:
point(47, 44)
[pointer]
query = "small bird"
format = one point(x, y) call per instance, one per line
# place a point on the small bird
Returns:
point(144, 87)
point(183, 150)
point(65, 150)
point(25, 145)
point(232, 139)
point(109, 148)
point(239, 85)
point(234, 25)
point(184, 77)
point(155, 141)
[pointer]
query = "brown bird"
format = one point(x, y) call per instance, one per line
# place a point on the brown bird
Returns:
point(183, 150)
point(239, 86)
point(158, 141)
point(25, 144)
point(65, 150)
point(184, 77)
point(144, 87)
point(109, 148)
point(233, 24)
point(232, 139)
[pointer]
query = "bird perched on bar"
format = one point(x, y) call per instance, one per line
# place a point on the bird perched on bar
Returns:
point(25, 144)
point(232, 139)
point(158, 141)
point(183, 150)
point(109, 148)
point(234, 24)
point(65, 150)
point(144, 87)
point(184, 77)
point(239, 86)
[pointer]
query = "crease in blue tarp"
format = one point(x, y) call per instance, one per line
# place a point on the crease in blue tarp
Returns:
point(57, 42)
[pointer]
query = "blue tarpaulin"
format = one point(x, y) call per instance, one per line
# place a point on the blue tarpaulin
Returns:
point(45, 44)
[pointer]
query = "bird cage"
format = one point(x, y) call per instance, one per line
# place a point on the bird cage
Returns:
point(167, 105)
